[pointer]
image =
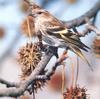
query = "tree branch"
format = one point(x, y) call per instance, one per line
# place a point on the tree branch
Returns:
point(17, 89)
point(49, 74)
point(81, 20)
point(15, 92)
point(89, 27)
point(8, 84)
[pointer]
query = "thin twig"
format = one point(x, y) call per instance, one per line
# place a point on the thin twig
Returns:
point(15, 92)
point(8, 84)
point(29, 30)
point(90, 26)
point(33, 91)
point(77, 71)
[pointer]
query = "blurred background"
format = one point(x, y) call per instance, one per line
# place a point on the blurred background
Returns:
point(12, 16)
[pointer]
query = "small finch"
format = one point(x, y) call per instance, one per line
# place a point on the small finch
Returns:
point(55, 33)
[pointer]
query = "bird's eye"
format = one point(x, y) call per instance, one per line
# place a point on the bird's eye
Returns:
point(39, 12)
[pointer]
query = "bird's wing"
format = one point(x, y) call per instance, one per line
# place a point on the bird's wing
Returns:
point(71, 39)
point(68, 36)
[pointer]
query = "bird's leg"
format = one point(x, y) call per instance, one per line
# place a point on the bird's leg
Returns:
point(40, 41)
point(54, 50)
point(46, 49)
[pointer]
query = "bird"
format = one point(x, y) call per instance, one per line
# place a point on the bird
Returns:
point(54, 32)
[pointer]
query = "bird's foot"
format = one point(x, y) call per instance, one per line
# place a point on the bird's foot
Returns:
point(53, 50)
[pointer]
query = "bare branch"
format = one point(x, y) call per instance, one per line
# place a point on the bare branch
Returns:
point(7, 83)
point(93, 28)
point(17, 89)
point(81, 20)
point(23, 86)
point(49, 74)
point(89, 27)
point(15, 92)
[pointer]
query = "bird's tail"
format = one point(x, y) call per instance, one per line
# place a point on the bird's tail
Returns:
point(78, 52)
point(76, 45)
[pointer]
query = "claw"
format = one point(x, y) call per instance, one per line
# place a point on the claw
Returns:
point(54, 50)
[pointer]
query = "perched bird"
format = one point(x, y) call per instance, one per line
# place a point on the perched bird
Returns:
point(55, 33)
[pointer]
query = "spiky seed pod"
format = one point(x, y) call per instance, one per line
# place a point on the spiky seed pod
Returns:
point(75, 93)
point(29, 56)
point(24, 26)
point(39, 84)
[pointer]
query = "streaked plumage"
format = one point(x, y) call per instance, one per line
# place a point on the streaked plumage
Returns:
point(55, 33)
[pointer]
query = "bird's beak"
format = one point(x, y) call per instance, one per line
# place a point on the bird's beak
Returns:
point(30, 14)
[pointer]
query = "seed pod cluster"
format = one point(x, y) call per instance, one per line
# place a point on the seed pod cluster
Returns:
point(75, 93)
point(29, 56)
point(39, 84)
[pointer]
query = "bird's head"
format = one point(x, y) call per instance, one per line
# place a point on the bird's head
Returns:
point(37, 12)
